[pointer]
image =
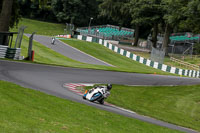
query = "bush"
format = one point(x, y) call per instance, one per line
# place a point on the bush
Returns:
point(197, 48)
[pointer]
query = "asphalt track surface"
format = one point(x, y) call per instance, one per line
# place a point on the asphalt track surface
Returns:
point(68, 51)
point(50, 79)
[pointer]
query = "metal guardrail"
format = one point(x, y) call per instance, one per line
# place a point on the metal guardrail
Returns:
point(3, 50)
point(10, 53)
point(147, 62)
point(185, 64)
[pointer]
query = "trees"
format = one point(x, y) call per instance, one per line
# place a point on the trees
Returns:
point(36, 9)
point(174, 15)
point(9, 14)
point(146, 12)
point(78, 12)
point(193, 16)
point(116, 10)
point(177, 15)
point(134, 12)
point(5, 15)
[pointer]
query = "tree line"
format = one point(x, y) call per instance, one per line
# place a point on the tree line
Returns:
point(145, 16)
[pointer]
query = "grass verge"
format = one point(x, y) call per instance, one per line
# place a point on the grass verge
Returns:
point(187, 58)
point(179, 105)
point(122, 63)
point(46, 55)
point(49, 29)
point(40, 27)
point(24, 110)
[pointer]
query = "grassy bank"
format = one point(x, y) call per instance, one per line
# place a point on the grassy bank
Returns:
point(41, 28)
point(178, 104)
point(49, 29)
point(24, 110)
point(195, 59)
point(122, 63)
point(46, 55)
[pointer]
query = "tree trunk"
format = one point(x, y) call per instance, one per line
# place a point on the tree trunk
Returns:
point(166, 38)
point(5, 15)
point(136, 35)
point(155, 33)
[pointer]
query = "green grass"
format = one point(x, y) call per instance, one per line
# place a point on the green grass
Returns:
point(46, 55)
point(195, 59)
point(187, 58)
point(41, 28)
point(122, 63)
point(49, 29)
point(178, 104)
point(24, 110)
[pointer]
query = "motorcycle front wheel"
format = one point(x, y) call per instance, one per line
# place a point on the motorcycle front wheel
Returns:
point(84, 97)
point(101, 101)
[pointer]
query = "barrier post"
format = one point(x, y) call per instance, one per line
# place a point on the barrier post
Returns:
point(32, 55)
point(30, 46)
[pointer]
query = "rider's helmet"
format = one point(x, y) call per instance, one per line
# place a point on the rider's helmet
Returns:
point(109, 87)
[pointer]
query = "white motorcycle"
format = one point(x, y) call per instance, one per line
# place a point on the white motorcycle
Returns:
point(98, 93)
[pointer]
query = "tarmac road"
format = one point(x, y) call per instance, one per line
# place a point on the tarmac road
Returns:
point(50, 79)
point(68, 51)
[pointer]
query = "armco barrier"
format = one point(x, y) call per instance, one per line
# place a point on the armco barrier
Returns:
point(150, 63)
point(10, 53)
point(3, 50)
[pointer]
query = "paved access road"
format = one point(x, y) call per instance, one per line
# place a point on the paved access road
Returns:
point(50, 79)
point(68, 51)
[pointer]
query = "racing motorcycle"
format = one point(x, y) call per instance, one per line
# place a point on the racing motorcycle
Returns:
point(98, 94)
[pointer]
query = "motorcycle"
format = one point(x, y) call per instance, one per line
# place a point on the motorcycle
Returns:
point(96, 94)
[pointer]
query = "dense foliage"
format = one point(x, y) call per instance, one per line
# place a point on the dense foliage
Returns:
point(15, 15)
point(146, 16)
point(77, 12)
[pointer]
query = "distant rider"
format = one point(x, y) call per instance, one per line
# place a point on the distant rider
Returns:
point(53, 39)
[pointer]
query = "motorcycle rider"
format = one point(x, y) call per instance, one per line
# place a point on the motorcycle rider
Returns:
point(53, 39)
point(104, 90)
point(107, 90)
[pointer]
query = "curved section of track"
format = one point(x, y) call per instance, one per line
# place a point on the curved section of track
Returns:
point(49, 79)
point(68, 51)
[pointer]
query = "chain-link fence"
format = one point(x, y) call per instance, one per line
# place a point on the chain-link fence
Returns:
point(157, 55)
point(69, 28)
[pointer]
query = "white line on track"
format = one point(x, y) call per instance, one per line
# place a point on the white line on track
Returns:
point(86, 54)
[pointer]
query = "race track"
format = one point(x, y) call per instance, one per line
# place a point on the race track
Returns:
point(68, 51)
point(50, 79)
